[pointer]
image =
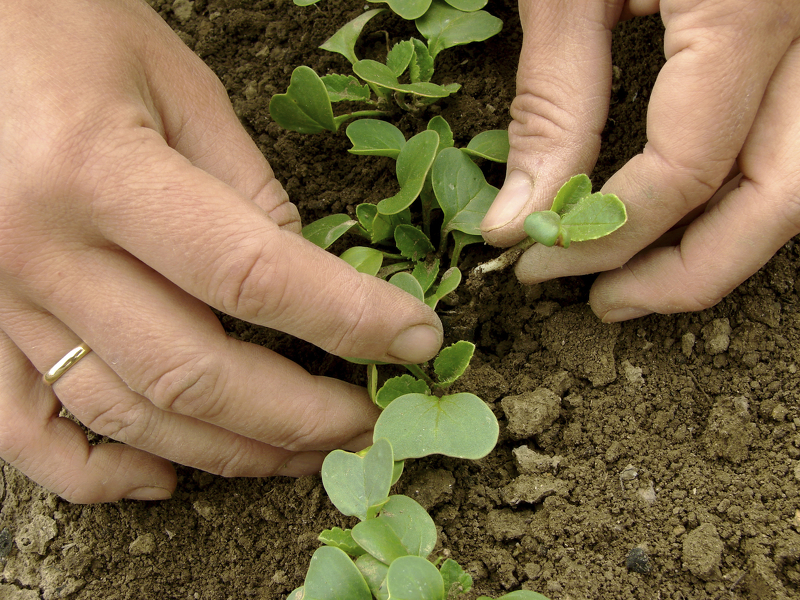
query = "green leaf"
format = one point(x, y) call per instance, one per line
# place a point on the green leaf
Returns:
point(408, 9)
point(344, 40)
point(332, 575)
point(380, 227)
point(407, 283)
point(462, 191)
point(453, 361)
point(421, 67)
point(374, 572)
point(345, 87)
point(543, 227)
point(492, 145)
point(572, 192)
point(378, 538)
point(364, 259)
point(305, 107)
point(456, 580)
point(398, 470)
point(323, 232)
point(444, 26)
point(382, 76)
point(342, 539)
point(442, 127)
point(411, 242)
point(413, 164)
point(412, 524)
point(357, 485)
point(449, 283)
point(467, 5)
point(458, 425)
point(593, 218)
point(426, 273)
point(305, 2)
point(414, 578)
point(460, 240)
point(399, 57)
point(400, 386)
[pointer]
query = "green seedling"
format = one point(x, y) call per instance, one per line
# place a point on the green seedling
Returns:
point(577, 215)
point(307, 105)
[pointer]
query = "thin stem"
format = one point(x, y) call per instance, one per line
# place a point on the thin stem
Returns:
point(417, 372)
point(505, 260)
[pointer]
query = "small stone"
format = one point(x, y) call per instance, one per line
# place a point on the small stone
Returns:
point(532, 489)
point(144, 544)
point(687, 344)
point(36, 535)
point(5, 543)
point(530, 462)
point(182, 9)
point(531, 413)
point(638, 561)
point(204, 509)
point(702, 552)
point(632, 374)
point(717, 335)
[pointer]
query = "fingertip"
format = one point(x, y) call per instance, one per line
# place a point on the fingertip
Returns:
point(417, 344)
point(502, 224)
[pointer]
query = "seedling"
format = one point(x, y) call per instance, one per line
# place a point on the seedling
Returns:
point(307, 105)
point(577, 215)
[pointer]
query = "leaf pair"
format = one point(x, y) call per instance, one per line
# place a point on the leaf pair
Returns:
point(576, 215)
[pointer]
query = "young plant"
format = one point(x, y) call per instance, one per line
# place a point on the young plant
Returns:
point(307, 105)
point(577, 215)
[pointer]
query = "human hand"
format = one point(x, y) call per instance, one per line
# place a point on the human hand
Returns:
point(724, 103)
point(130, 198)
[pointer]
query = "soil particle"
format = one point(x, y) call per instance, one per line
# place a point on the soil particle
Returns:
point(717, 335)
point(532, 489)
point(35, 537)
point(531, 413)
point(506, 524)
point(702, 552)
point(638, 561)
point(530, 462)
point(729, 431)
point(144, 544)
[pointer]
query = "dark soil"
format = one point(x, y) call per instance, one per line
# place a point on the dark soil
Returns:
point(657, 459)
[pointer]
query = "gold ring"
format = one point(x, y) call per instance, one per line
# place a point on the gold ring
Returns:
point(66, 363)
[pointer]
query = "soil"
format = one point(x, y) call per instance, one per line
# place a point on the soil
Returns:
point(656, 459)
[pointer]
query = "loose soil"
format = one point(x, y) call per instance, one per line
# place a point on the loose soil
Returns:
point(656, 459)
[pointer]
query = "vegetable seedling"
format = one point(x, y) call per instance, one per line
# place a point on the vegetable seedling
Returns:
point(577, 215)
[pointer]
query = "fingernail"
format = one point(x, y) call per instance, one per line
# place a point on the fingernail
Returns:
point(149, 493)
point(303, 464)
point(416, 344)
point(624, 314)
point(510, 201)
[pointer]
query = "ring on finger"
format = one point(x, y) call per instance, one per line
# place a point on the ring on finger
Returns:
point(66, 363)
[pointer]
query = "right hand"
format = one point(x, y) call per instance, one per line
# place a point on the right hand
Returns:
point(130, 199)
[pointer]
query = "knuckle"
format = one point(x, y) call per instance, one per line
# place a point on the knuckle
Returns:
point(537, 116)
point(192, 386)
point(251, 284)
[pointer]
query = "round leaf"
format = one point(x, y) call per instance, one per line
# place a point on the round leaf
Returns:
point(408, 283)
point(492, 145)
point(414, 578)
point(411, 242)
point(400, 386)
point(573, 191)
point(332, 575)
point(354, 484)
point(378, 538)
point(344, 40)
point(375, 138)
point(543, 227)
point(323, 232)
point(444, 26)
point(364, 259)
point(413, 164)
point(467, 5)
point(305, 107)
point(408, 9)
point(594, 217)
point(412, 524)
point(459, 425)
point(453, 361)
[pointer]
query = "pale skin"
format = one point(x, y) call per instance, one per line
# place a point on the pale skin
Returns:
point(131, 199)
point(723, 106)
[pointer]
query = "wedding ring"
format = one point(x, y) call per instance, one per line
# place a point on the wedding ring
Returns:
point(66, 363)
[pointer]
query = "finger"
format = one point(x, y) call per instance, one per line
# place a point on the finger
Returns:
point(99, 399)
point(168, 347)
point(563, 87)
point(702, 106)
point(737, 235)
point(221, 249)
point(54, 451)
point(198, 121)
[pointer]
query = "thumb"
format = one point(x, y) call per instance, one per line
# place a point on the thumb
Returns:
point(563, 88)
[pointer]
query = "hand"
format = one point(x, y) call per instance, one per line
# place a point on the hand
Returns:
point(724, 103)
point(130, 199)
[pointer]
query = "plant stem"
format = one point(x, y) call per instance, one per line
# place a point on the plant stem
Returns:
point(505, 260)
point(417, 372)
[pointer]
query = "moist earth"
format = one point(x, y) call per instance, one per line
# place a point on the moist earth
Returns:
point(655, 459)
